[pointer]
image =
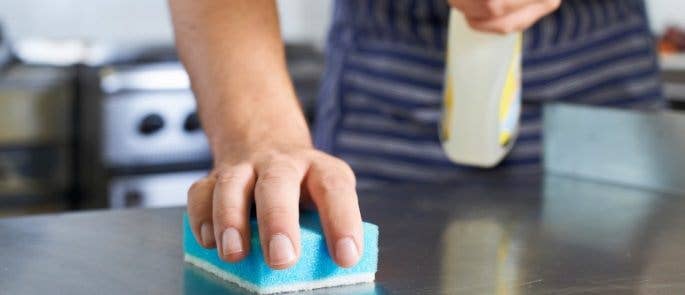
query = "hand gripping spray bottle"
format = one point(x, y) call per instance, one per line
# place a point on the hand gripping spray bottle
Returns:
point(482, 94)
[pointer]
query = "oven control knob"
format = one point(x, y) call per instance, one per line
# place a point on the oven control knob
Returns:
point(192, 123)
point(151, 124)
point(133, 199)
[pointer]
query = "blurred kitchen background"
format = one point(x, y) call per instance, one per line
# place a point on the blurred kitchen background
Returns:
point(96, 111)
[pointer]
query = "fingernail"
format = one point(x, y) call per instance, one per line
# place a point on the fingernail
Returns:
point(207, 234)
point(231, 241)
point(346, 251)
point(281, 250)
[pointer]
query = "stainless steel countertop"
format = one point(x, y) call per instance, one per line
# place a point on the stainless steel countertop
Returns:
point(497, 236)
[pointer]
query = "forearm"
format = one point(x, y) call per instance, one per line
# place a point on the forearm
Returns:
point(235, 57)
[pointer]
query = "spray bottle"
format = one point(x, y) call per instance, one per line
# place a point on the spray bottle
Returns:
point(482, 94)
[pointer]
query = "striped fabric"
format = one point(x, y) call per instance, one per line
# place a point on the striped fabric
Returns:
point(380, 102)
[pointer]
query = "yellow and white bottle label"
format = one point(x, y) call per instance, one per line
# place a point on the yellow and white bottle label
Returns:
point(510, 102)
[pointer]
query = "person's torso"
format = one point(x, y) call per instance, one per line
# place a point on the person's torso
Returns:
point(380, 102)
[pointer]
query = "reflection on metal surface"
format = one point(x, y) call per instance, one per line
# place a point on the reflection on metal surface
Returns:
point(197, 281)
point(664, 263)
point(513, 236)
point(619, 146)
point(480, 256)
point(594, 215)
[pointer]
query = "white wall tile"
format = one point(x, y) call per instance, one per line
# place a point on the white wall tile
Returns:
point(146, 21)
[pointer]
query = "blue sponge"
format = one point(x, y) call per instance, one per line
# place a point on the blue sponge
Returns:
point(315, 269)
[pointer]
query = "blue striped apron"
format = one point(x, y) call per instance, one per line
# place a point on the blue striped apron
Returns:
point(380, 101)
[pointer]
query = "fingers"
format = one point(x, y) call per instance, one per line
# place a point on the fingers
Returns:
point(277, 193)
point(219, 208)
point(200, 211)
point(231, 211)
point(489, 8)
point(332, 187)
point(504, 16)
point(515, 21)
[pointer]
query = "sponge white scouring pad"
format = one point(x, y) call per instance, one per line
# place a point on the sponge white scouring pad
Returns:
point(315, 269)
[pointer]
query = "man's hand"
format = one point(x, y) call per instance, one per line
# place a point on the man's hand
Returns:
point(504, 16)
point(219, 205)
point(259, 138)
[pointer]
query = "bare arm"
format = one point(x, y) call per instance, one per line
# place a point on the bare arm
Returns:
point(235, 57)
point(262, 150)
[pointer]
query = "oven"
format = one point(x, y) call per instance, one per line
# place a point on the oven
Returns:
point(143, 145)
